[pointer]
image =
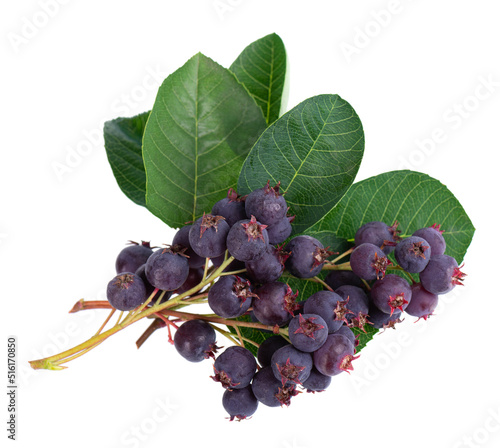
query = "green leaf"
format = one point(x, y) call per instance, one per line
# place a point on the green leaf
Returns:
point(123, 143)
point(314, 150)
point(364, 338)
point(261, 68)
point(413, 199)
point(202, 125)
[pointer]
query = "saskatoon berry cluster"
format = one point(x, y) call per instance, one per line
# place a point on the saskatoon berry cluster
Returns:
point(321, 342)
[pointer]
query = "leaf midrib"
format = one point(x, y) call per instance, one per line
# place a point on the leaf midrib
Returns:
point(196, 138)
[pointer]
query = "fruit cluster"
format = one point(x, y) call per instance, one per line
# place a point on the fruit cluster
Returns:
point(314, 339)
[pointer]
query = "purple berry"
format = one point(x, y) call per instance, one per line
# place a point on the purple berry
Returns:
point(276, 303)
point(266, 204)
point(268, 267)
point(307, 332)
point(195, 340)
point(441, 274)
point(181, 238)
point(325, 304)
point(247, 239)
point(336, 279)
point(291, 366)
point(344, 330)
point(423, 303)
point(207, 236)
point(231, 207)
point(358, 301)
point(126, 291)
point(230, 296)
point(280, 231)
point(368, 261)
point(268, 347)
point(133, 257)
point(269, 391)
point(307, 256)
point(335, 355)
point(391, 293)
point(379, 234)
point(234, 368)
point(317, 382)
point(379, 319)
point(433, 235)
point(239, 403)
point(413, 254)
point(167, 269)
point(141, 272)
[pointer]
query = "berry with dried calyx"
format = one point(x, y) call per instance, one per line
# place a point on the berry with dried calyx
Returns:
point(247, 239)
point(379, 234)
point(276, 303)
point(335, 355)
point(413, 254)
point(234, 368)
point(230, 296)
point(391, 293)
point(441, 274)
point(269, 390)
point(195, 340)
point(167, 269)
point(239, 403)
point(232, 207)
point(268, 267)
point(357, 301)
point(266, 204)
point(317, 382)
point(434, 236)
point(369, 262)
point(268, 347)
point(208, 234)
point(181, 238)
point(307, 256)
point(379, 319)
point(307, 332)
point(291, 366)
point(329, 306)
point(126, 291)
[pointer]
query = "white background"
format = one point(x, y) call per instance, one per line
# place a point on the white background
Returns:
point(426, 384)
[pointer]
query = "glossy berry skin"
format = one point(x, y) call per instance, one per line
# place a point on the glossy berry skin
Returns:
point(391, 293)
point(441, 274)
point(376, 233)
point(247, 240)
point(379, 319)
point(368, 261)
point(279, 231)
point(334, 356)
point(232, 209)
point(132, 257)
point(126, 291)
point(307, 332)
point(307, 256)
point(317, 382)
point(269, 391)
point(270, 308)
point(234, 368)
point(181, 238)
point(167, 270)
point(423, 303)
point(291, 366)
point(195, 340)
point(324, 303)
point(239, 403)
point(266, 204)
point(268, 347)
point(266, 268)
point(358, 300)
point(434, 237)
point(230, 296)
point(336, 279)
point(207, 236)
point(413, 254)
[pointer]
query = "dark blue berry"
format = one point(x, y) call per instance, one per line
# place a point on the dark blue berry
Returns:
point(276, 303)
point(280, 231)
point(423, 303)
point(132, 257)
point(126, 291)
point(269, 391)
point(239, 403)
point(195, 340)
point(434, 237)
point(391, 293)
point(291, 366)
point(358, 301)
point(379, 319)
point(307, 332)
point(317, 382)
point(324, 303)
point(336, 279)
point(207, 236)
point(441, 274)
point(368, 261)
point(230, 296)
point(231, 207)
point(268, 347)
point(379, 234)
point(266, 204)
point(335, 355)
point(268, 267)
point(307, 256)
point(247, 240)
point(181, 238)
point(413, 254)
point(234, 368)
point(166, 269)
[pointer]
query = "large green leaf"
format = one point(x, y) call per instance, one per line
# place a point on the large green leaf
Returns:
point(123, 143)
point(261, 68)
point(314, 150)
point(413, 199)
point(202, 125)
